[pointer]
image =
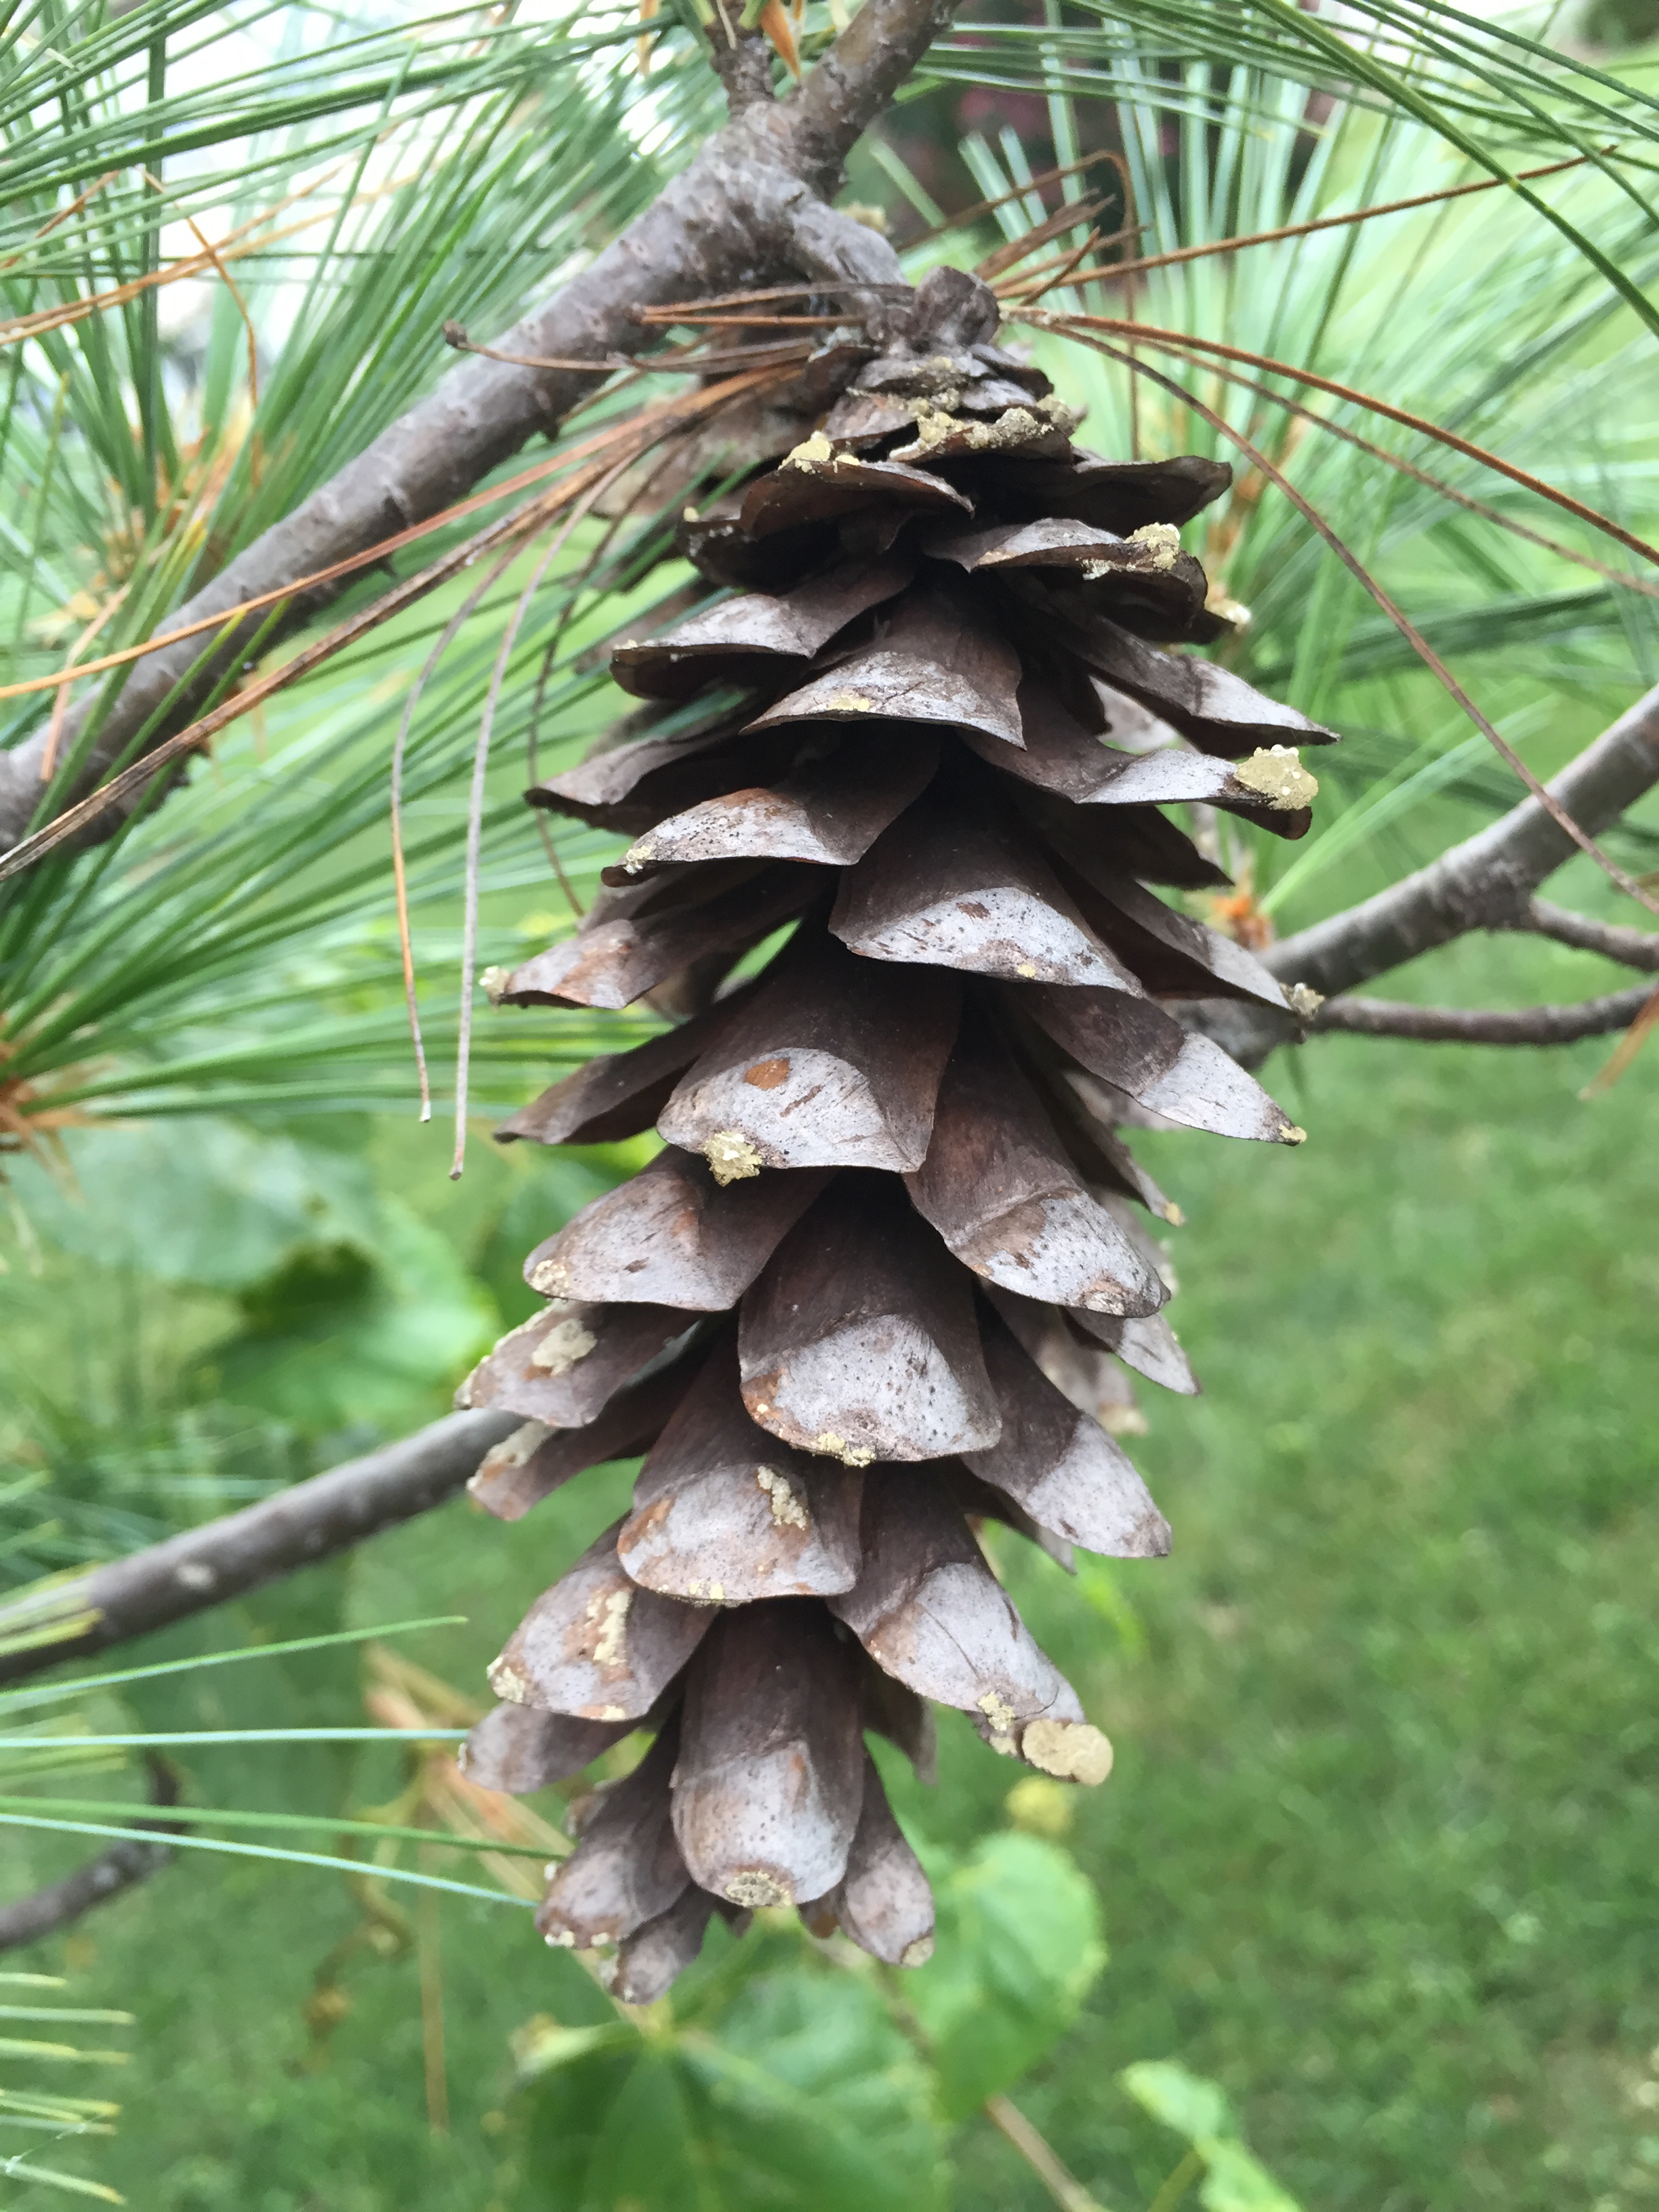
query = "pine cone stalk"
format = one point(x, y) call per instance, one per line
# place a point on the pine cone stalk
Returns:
point(882, 1283)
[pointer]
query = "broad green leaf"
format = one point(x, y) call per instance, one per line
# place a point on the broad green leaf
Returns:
point(799, 2092)
point(1235, 2182)
point(1019, 1947)
point(566, 2114)
point(544, 2047)
point(1192, 2107)
point(648, 2156)
point(339, 1336)
point(214, 1205)
point(814, 2099)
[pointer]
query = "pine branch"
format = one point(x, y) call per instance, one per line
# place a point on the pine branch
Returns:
point(1485, 882)
point(1631, 948)
point(225, 1558)
point(1589, 1017)
point(743, 63)
point(122, 1866)
point(751, 207)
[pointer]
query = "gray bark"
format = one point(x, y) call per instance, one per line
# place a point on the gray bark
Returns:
point(1485, 883)
point(224, 1559)
point(1633, 948)
point(125, 1864)
point(1589, 1017)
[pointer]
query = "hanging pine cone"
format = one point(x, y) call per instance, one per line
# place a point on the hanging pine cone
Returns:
point(875, 1289)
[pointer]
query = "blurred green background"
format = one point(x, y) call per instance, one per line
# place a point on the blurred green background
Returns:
point(1378, 1854)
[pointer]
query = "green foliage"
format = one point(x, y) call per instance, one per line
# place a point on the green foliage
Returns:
point(50, 2119)
point(1484, 86)
point(1019, 1949)
point(31, 2104)
point(1473, 314)
point(823, 2098)
point(337, 1337)
point(222, 1210)
point(784, 2083)
point(1233, 2181)
point(780, 2077)
point(242, 953)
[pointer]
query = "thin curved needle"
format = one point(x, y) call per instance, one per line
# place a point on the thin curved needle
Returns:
point(1419, 643)
point(1069, 324)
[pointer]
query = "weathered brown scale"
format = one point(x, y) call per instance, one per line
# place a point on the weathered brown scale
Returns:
point(883, 1901)
point(929, 1609)
point(622, 1094)
point(935, 659)
point(828, 810)
point(1070, 757)
point(1001, 1190)
point(953, 885)
point(596, 1645)
point(536, 1460)
point(1062, 1468)
point(616, 958)
point(813, 487)
point(770, 1777)
point(1175, 957)
point(1138, 1049)
point(518, 1749)
point(564, 1366)
point(836, 1063)
point(627, 1869)
point(859, 1340)
point(721, 645)
point(723, 1514)
point(672, 1236)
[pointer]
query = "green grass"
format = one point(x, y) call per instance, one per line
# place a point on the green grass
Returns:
point(1378, 1854)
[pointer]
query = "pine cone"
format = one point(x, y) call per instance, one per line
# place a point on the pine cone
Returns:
point(881, 1284)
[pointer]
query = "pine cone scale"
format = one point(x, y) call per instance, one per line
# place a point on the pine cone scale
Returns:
point(860, 1341)
point(770, 1777)
point(674, 1237)
point(929, 1609)
point(1062, 1468)
point(999, 1188)
point(883, 1901)
point(721, 1516)
point(629, 1869)
point(719, 646)
point(517, 1749)
point(622, 1096)
point(596, 1645)
point(829, 813)
point(567, 1366)
point(950, 886)
point(936, 661)
point(832, 1066)
point(615, 958)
